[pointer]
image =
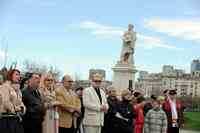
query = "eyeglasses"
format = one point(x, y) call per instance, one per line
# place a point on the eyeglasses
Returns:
point(172, 94)
point(70, 81)
point(49, 79)
point(97, 81)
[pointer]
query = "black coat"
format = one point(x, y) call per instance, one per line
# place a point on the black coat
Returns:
point(126, 110)
point(35, 110)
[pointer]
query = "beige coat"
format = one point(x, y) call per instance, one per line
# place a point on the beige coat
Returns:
point(51, 116)
point(11, 98)
point(68, 99)
point(93, 116)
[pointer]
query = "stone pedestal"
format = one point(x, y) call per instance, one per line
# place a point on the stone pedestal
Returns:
point(122, 74)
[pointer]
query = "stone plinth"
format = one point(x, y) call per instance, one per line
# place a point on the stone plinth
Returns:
point(122, 74)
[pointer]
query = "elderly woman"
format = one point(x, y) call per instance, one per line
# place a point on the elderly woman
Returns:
point(50, 124)
point(124, 114)
point(11, 107)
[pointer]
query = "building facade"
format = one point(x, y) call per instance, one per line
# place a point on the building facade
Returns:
point(187, 84)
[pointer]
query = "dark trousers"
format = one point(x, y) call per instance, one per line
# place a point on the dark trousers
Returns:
point(66, 130)
point(173, 130)
point(11, 125)
point(32, 126)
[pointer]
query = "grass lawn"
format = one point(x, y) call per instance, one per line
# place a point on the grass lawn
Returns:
point(192, 120)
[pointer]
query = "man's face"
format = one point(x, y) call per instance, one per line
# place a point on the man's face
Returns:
point(96, 83)
point(34, 81)
point(172, 96)
point(67, 82)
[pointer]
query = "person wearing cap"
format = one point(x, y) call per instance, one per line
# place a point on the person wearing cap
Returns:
point(95, 103)
point(174, 111)
point(155, 119)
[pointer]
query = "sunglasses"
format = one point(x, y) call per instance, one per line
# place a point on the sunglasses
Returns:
point(97, 81)
point(172, 93)
point(49, 79)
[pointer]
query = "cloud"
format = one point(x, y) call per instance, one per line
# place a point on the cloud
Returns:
point(149, 42)
point(184, 29)
point(100, 30)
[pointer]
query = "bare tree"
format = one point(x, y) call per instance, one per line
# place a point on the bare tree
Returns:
point(31, 66)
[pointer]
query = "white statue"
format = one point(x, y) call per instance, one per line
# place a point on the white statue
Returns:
point(128, 48)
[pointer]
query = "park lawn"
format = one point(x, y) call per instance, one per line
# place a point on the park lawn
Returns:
point(192, 120)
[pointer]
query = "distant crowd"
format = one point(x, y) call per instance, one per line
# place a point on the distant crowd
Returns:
point(35, 103)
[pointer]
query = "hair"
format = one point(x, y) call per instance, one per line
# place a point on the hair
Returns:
point(22, 83)
point(153, 97)
point(140, 99)
point(10, 74)
point(29, 75)
point(43, 78)
point(136, 94)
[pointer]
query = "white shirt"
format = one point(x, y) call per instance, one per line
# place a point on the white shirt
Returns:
point(173, 109)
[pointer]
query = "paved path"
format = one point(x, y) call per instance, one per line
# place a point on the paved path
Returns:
point(188, 131)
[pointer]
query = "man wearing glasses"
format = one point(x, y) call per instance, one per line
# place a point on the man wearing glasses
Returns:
point(70, 105)
point(95, 103)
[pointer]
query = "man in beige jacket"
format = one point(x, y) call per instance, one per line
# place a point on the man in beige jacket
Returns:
point(69, 107)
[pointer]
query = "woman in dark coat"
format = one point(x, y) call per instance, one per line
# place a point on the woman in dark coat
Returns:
point(125, 114)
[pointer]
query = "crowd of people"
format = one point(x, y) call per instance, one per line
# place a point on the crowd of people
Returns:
point(37, 104)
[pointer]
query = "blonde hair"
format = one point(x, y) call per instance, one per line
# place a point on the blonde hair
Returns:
point(42, 81)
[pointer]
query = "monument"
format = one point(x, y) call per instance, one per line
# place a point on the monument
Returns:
point(124, 70)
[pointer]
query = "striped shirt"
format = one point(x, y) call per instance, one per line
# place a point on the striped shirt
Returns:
point(155, 121)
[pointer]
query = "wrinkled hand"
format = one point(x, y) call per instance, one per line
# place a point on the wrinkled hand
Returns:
point(18, 108)
point(56, 103)
point(103, 108)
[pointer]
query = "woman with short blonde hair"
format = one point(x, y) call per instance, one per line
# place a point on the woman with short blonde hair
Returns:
point(47, 84)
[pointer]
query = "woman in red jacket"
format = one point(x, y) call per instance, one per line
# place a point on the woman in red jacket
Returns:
point(139, 118)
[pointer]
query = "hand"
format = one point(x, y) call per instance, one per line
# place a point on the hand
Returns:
point(18, 109)
point(56, 103)
point(182, 125)
point(78, 110)
point(103, 108)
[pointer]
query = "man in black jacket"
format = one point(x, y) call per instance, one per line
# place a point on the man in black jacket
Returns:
point(34, 104)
